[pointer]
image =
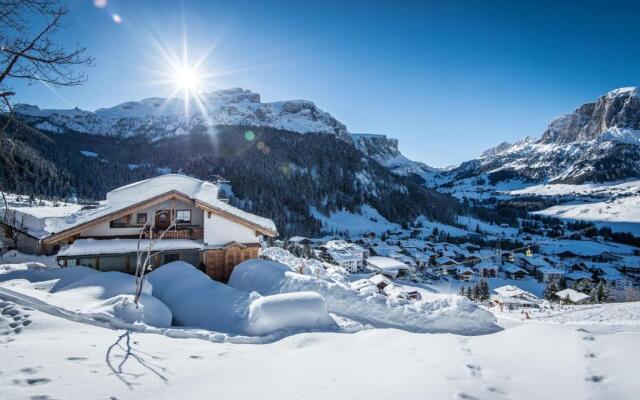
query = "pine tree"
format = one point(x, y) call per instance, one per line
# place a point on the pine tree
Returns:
point(469, 294)
point(602, 293)
point(593, 295)
point(562, 283)
point(484, 290)
point(551, 290)
point(461, 291)
point(477, 292)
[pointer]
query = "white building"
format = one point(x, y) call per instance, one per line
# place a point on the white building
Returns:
point(388, 267)
point(345, 259)
point(511, 296)
point(573, 296)
point(341, 245)
point(198, 228)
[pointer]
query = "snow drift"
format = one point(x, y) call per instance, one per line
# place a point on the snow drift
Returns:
point(288, 311)
point(103, 296)
point(453, 314)
point(199, 302)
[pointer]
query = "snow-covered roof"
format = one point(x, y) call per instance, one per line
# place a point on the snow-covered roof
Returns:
point(511, 268)
point(85, 247)
point(377, 279)
point(344, 245)
point(297, 239)
point(572, 294)
point(385, 250)
point(513, 291)
point(445, 260)
point(135, 193)
point(551, 271)
point(485, 265)
point(536, 261)
point(342, 255)
point(386, 264)
point(578, 275)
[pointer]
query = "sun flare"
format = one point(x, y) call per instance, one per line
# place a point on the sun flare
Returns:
point(187, 79)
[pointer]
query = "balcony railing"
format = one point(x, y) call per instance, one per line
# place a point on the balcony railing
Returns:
point(190, 233)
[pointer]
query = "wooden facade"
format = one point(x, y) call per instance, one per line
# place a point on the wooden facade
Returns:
point(219, 263)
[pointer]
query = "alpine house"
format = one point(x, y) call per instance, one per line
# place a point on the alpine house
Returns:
point(183, 217)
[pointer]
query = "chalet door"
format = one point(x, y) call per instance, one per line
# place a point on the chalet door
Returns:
point(163, 219)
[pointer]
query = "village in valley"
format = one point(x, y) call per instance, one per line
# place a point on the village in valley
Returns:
point(543, 271)
point(505, 268)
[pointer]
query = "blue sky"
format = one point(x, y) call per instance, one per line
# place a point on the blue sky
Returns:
point(448, 79)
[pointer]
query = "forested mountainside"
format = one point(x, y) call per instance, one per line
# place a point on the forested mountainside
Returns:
point(275, 173)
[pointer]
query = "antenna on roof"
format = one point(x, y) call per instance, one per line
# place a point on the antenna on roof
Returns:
point(218, 179)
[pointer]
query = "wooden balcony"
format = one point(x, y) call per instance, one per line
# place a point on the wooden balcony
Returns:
point(180, 232)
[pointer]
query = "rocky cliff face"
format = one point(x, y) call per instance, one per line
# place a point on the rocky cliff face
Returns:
point(160, 118)
point(599, 141)
point(385, 151)
point(617, 109)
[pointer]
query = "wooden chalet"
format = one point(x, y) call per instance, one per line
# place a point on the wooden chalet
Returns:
point(207, 232)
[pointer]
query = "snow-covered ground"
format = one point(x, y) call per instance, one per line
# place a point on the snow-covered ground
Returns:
point(622, 214)
point(47, 357)
point(368, 220)
point(72, 333)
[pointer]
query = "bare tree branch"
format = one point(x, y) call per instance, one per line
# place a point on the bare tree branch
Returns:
point(33, 54)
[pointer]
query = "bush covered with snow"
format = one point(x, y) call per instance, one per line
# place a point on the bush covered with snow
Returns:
point(303, 310)
point(306, 266)
point(57, 277)
point(109, 296)
point(197, 301)
point(454, 314)
point(85, 292)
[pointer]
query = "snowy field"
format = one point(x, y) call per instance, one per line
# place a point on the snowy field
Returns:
point(54, 358)
point(73, 333)
point(622, 214)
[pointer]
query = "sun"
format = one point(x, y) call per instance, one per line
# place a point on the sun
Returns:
point(187, 79)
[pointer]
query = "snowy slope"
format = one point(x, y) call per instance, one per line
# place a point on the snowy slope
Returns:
point(56, 358)
point(622, 214)
point(158, 117)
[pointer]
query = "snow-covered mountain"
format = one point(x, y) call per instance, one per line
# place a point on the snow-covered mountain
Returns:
point(385, 151)
point(159, 118)
point(599, 141)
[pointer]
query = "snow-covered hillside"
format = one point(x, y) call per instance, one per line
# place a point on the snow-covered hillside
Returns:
point(621, 214)
point(158, 117)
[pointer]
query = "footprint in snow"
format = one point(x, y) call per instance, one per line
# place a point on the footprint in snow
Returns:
point(496, 390)
point(31, 381)
point(77, 358)
point(474, 370)
point(590, 355)
point(589, 337)
point(595, 378)
point(28, 371)
point(465, 396)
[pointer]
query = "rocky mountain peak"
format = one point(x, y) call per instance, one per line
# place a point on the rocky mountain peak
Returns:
point(158, 117)
point(619, 109)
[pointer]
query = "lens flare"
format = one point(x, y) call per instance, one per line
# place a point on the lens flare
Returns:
point(249, 136)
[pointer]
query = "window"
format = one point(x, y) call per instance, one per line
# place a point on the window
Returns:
point(122, 222)
point(183, 216)
point(141, 218)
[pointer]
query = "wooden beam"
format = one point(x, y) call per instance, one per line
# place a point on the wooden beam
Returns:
point(76, 230)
